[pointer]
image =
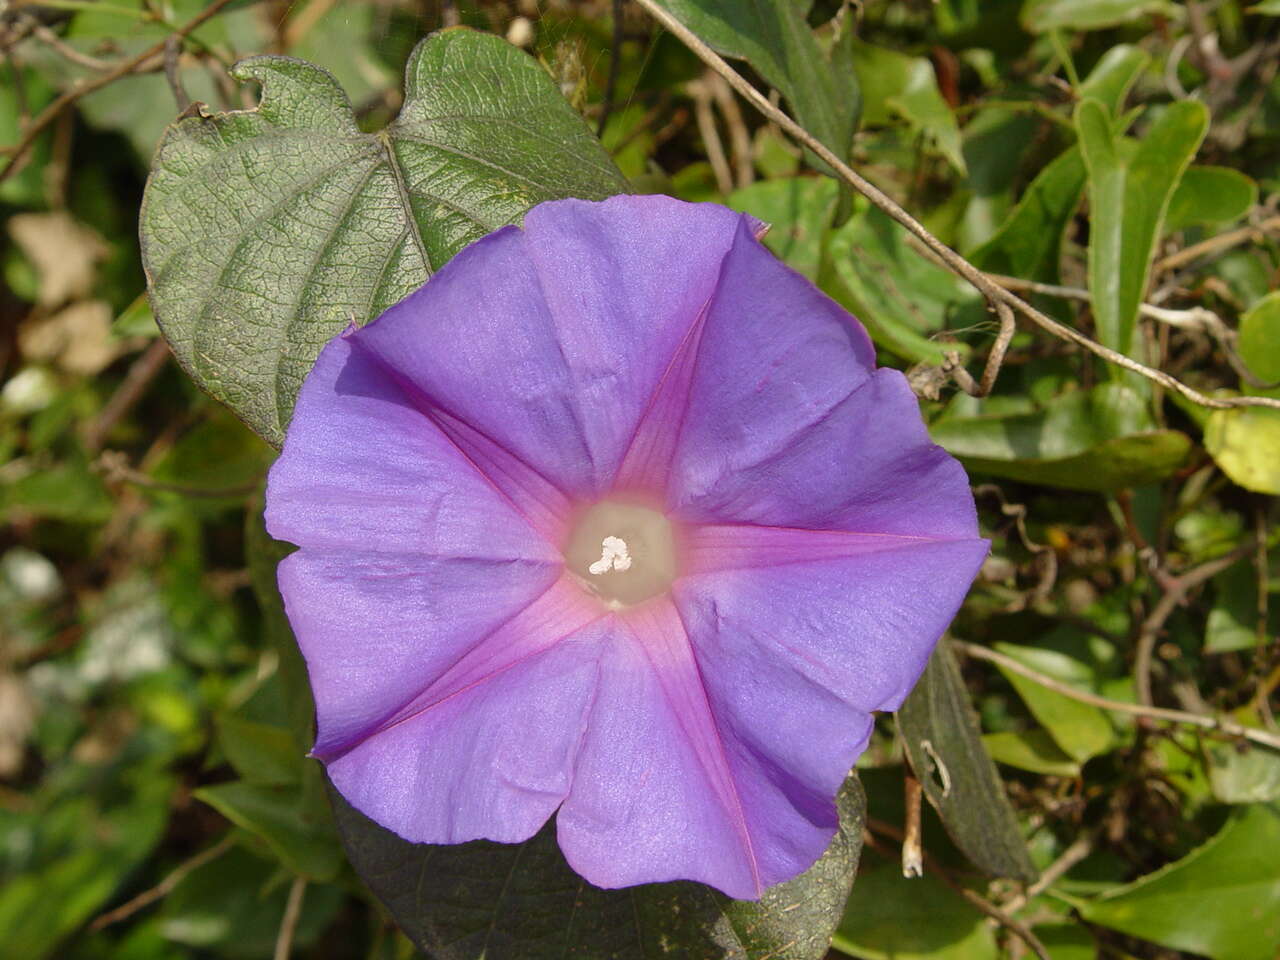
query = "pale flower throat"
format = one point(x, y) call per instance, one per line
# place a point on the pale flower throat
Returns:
point(623, 553)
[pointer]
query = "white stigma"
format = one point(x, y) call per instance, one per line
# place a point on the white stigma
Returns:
point(613, 556)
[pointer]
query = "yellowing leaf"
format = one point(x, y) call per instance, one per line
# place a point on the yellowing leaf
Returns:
point(1245, 441)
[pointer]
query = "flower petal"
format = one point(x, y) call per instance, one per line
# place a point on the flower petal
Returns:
point(560, 613)
point(647, 462)
point(492, 761)
point(364, 469)
point(862, 626)
point(653, 798)
point(485, 749)
point(721, 768)
point(556, 337)
point(790, 744)
point(788, 426)
point(377, 630)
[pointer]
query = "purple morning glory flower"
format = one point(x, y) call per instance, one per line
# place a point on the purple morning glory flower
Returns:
point(614, 519)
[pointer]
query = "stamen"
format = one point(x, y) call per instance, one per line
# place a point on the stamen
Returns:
point(621, 553)
point(613, 556)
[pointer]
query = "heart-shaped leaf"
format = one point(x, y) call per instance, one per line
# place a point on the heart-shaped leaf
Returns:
point(265, 232)
point(521, 901)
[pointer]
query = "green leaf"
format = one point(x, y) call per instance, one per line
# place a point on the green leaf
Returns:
point(895, 918)
point(1099, 439)
point(944, 741)
point(1245, 442)
point(1268, 7)
point(775, 156)
point(262, 753)
point(1260, 338)
point(1242, 773)
point(233, 906)
point(996, 140)
point(25, 92)
point(64, 491)
point(629, 138)
point(990, 24)
point(1067, 941)
point(1210, 195)
point(292, 822)
point(1130, 185)
point(1033, 750)
point(1081, 730)
point(1112, 76)
point(901, 297)
point(1246, 275)
point(265, 232)
point(1209, 532)
point(42, 905)
point(1041, 16)
point(799, 212)
point(1029, 243)
point(897, 85)
point(774, 37)
point(522, 901)
point(1222, 900)
point(217, 454)
point(1233, 618)
point(137, 320)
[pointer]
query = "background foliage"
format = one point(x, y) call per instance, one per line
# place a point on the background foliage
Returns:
point(1091, 744)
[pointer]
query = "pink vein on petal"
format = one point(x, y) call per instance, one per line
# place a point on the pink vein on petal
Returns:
point(715, 547)
point(539, 501)
point(649, 454)
point(661, 634)
point(555, 615)
point(542, 504)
